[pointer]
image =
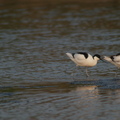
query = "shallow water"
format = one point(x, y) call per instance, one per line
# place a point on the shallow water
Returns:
point(38, 81)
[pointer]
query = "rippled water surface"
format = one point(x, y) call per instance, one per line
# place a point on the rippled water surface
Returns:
point(38, 81)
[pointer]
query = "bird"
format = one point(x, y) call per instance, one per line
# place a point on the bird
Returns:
point(114, 59)
point(84, 59)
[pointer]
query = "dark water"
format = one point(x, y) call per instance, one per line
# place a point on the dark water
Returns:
point(36, 77)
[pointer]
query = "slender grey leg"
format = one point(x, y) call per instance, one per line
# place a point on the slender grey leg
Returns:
point(86, 72)
point(116, 73)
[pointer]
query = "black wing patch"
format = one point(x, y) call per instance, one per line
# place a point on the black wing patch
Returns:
point(118, 54)
point(112, 58)
point(73, 54)
point(84, 53)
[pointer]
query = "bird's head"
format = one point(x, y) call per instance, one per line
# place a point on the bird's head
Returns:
point(97, 57)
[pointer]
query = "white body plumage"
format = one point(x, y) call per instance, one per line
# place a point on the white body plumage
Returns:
point(114, 59)
point(84, 59)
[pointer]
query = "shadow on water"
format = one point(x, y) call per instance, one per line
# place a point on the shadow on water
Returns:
point(61, 87)
point(101, 84)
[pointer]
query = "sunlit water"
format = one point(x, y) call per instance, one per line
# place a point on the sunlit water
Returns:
point(38, 81)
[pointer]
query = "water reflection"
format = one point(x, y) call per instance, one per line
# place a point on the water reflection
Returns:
point(66, 101)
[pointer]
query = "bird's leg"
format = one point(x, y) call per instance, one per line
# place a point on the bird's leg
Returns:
point(116, 73)
point(87, 75)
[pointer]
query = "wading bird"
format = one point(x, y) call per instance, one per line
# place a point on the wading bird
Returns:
point(84, 59)
point(114, 59)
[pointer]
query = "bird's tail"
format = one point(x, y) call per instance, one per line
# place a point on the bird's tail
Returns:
point(70, 56)
point(107, 58)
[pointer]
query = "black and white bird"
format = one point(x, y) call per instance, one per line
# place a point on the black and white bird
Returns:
point(84, 59)
point(114, 59)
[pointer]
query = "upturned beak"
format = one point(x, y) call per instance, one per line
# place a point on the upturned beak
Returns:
point(102, 59)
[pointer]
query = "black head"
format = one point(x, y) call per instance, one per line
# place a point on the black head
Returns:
point(97, 55)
